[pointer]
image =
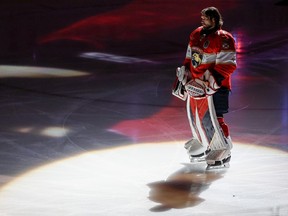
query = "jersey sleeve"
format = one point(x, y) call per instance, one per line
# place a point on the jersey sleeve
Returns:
point(226, 57)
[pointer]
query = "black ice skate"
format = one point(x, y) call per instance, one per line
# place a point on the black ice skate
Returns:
point(219, 164)
point(196, 151)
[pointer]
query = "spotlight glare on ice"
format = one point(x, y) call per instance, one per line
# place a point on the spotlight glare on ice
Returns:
point(140, 178)
point(8, 71)
point(54, 132)
point(46, 131)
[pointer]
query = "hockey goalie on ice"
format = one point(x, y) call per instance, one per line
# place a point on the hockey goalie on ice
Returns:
point(204, 82)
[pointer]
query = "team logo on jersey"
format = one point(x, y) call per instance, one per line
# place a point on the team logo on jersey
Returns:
point(196, 56)
point(206, 44)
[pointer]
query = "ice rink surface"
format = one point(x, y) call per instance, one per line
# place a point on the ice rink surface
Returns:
point(89, 125)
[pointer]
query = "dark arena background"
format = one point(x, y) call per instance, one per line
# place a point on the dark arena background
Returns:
point(89, 125)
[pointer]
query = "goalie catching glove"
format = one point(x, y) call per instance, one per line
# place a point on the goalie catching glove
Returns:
point(198, 88)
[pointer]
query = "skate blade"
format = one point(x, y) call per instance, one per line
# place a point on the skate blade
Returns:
point(215, 167)
point(197, 160)
point(201, 158)
point(217, 155)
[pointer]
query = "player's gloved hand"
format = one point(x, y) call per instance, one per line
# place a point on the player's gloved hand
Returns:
point(182, 74)
point(210, 82)
point(198, 88)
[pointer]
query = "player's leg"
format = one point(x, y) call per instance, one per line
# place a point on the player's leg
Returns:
point(221, 103)
point(224, 126)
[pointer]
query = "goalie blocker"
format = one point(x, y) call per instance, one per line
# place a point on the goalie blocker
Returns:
point(209, 142)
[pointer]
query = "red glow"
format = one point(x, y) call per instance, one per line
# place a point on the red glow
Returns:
point(139, 19)
point(170, 123)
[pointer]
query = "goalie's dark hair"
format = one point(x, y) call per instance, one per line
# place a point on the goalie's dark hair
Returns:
point(213, 12)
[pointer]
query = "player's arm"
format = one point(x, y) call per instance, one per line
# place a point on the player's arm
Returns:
point(225, 59)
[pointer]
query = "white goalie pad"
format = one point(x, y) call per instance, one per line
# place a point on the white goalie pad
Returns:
point(206, 129)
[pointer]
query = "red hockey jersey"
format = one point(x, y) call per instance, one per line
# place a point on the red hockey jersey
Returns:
point(214, 52)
